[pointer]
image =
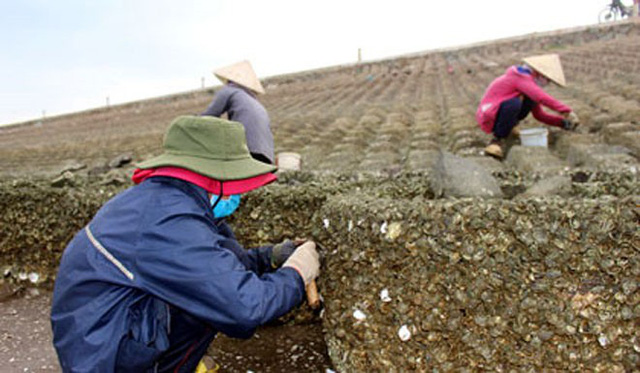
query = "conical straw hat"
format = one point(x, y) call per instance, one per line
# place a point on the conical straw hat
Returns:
point(549, 66)
point(240, 73)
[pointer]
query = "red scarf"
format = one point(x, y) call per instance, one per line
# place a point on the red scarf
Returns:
point(210, 185)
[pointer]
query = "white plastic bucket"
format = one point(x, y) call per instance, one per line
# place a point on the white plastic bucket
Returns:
point(534, 137)
point(287, 161)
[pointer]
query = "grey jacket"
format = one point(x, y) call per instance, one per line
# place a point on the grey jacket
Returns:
point(242, 107)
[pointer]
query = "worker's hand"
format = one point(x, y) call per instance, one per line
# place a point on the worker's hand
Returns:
point(568, 125)
point(573, 117)
point(306, 261)
point(281, 252)
point(571, 121)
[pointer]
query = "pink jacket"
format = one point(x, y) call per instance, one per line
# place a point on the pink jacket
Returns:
point(512, 84)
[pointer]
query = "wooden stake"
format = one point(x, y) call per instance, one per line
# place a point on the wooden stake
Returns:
point(312, 295)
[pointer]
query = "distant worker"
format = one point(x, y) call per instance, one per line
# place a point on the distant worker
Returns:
point(153, 277)
point(238, 99)
point(512, 96)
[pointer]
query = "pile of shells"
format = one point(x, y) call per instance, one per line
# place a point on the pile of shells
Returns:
point(38, 220)
point(414, 283)
point(468, 284)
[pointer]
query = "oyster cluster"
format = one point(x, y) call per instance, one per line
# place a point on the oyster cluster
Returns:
point(494, 284)
point(415, 283)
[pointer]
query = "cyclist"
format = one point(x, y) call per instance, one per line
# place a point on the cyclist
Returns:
point(616, 9)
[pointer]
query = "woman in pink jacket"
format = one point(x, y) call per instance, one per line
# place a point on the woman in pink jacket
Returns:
point(512, 96)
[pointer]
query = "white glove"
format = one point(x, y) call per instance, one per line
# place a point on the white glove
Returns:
point(306, 261)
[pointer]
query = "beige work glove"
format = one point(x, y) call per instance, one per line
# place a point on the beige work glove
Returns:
point(306, 261)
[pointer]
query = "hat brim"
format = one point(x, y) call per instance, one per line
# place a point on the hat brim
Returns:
point(256, 89)
point(246, 185)
point(226, 170)
point(549, 66)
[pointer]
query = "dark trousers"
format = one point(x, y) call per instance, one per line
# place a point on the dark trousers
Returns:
point(509, 114)
point(189, 339)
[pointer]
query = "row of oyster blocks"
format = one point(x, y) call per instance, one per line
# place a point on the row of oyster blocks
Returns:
point(464, 285)
point(470, 73)
point(407, 140)
point(455, 98)
point(616, 59)
point(610, 58)
point(414, 284)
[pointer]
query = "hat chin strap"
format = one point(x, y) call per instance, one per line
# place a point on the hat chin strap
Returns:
point(219, 197)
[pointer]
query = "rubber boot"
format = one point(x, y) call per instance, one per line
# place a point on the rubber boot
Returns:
point(207, 365)
point(515, 132)
point(494, 149)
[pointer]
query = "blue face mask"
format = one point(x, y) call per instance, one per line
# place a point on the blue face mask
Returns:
point(225, 206)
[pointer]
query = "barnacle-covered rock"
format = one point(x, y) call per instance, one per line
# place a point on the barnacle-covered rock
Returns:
point(453, 176)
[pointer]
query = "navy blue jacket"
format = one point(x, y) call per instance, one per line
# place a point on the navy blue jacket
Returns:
point(152, 247)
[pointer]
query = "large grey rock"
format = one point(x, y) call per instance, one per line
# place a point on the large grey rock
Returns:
point(453, 176)
point(556, 185)
point(529, 159)
point(491, 164)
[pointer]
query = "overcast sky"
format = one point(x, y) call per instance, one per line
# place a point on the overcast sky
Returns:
point(69, 55)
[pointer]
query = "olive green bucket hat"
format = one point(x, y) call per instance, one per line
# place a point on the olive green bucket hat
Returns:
point(209, 146)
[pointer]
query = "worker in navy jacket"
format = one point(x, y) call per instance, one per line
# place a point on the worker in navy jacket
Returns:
point(147, 284)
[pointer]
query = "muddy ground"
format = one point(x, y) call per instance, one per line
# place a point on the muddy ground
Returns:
point(25, 333)
point(26, 342)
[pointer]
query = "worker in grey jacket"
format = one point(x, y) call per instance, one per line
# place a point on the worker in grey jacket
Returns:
point(238, 99)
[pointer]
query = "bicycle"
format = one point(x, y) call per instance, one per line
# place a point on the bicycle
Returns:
point(614, 11)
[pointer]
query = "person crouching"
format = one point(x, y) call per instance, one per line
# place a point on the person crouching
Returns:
point(518, 92)
point(157, 272)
